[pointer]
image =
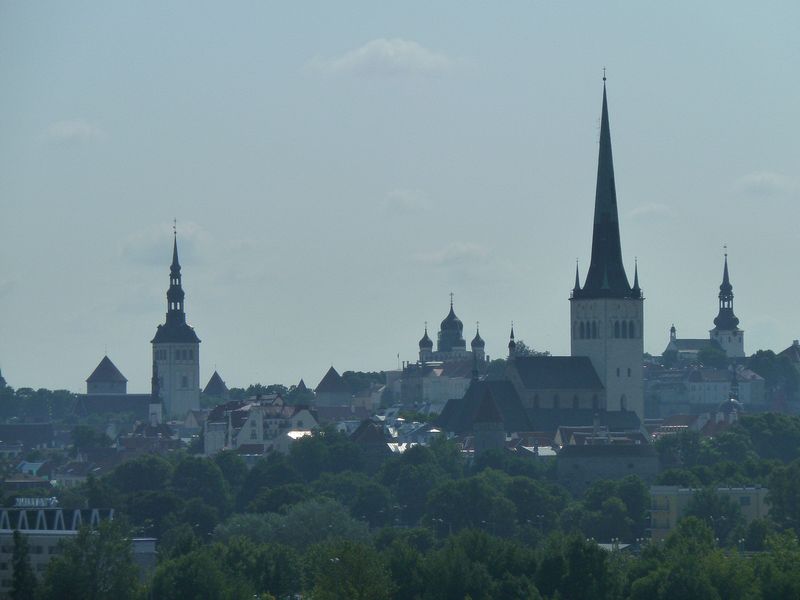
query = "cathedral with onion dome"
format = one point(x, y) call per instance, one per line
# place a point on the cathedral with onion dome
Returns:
point(450, 342)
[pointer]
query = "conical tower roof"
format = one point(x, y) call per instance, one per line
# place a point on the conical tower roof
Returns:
point(106, 372)
point(606, 276)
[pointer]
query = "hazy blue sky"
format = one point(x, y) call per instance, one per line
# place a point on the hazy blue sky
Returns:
point(337, 168)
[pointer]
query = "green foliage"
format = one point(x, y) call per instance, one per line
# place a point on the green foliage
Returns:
point(196, 477)
point(719, 512)
point(778, 372)
point(348, 570)
point(711, 356)
point(148, 472)
point(23, 581)
point(86, 439)
point(97, 564)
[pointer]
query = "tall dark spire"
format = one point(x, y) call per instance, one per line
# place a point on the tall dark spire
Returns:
point(636, 291)
point(175, 328)
point(512, 344)
point(606, 277)
point(725, 318)
point(577, 288)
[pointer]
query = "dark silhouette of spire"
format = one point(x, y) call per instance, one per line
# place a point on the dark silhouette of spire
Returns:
point(725, 318)
point(606, 276)
point(175, 329)
point(577, 288)
point(512, 345)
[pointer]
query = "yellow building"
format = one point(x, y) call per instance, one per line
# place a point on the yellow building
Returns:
point(668, 504)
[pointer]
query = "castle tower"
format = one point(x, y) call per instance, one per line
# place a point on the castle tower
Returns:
point(176, 350)
point(607, 314)
point(726, 330)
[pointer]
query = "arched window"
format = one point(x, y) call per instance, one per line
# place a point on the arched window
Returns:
point(575, 402)
point(556, 401)
point(629, 371)
point(624, 327)
point(616, 329)
point(583, 330)
point(623, 403)
point(631, 330)
point(594, 329)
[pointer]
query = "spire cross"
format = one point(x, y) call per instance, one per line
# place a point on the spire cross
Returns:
point(604, 73)
point(725, 248)
point(451, 299)
point(477, 325)
point(175, 227)
point(426, 327)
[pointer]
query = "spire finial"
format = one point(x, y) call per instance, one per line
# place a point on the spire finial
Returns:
point(426, 327)
point(478, 326)
point(451, 299)
point(604, 74)
point(174, 226)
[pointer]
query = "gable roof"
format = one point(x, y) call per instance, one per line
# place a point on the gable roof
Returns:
point(369, 433)
point(332, 383)
point(459, 414)
point(693, 344)
point(103, 404)
point(106, 372)
point(556, 372)
point(550, 419)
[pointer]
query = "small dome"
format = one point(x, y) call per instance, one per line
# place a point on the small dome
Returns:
point(426, 342)
point(477, 341)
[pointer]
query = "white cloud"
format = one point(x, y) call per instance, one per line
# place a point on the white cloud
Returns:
point(401, 201)
point(153, 246)
point(762, 184)
point(455, 253)
point(75, 130)
point(386, 58)
point(649, 211)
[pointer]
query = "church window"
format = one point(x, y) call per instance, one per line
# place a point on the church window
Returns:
point(631, 330)
point(617, 371)
point(594, 329)
point(575, 401)
point(556, 401)
point(624, 326)
point(184, 381)
point(616, 329)
point(191, 354)
point(583, 330)
point(629, 371)
point(177, 354)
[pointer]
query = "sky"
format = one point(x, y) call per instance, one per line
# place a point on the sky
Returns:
point(336, 169)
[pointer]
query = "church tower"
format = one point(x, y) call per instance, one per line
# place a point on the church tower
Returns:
point(607, 314)
point(726, 330)
point(176, 351)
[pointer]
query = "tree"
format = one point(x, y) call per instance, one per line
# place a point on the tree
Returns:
point(86, 439)
point(233, 468)
point(349, 570)
point(96, 565)
point(719, 512)
point(194, 575)
point(23, 582)
point(148, 472)
point(196, 477)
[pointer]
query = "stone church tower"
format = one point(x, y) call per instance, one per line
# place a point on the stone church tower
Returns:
point(607, 313)
point(176, 351)
point(726, 330)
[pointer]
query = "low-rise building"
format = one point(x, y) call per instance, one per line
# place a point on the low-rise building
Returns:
point(668, 503)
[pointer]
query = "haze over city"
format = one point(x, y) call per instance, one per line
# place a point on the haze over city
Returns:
point(336, 170)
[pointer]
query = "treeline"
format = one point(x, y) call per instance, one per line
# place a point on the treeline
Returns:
point(325, 523)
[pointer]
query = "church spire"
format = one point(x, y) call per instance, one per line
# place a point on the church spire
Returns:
point(725, 318)
point(175, 294)
point(636, 291)
point(606, 276)
point(512, 345)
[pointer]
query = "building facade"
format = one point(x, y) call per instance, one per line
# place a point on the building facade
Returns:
point(176, 350)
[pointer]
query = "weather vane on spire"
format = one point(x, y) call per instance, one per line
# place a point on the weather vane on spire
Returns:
point(604, 73)
point(174, 226)
point(725, 248)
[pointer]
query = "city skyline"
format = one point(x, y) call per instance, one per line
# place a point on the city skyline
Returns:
point(306, 243)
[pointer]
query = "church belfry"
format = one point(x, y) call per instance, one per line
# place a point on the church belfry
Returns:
point(176, 350)
point(606, 312)
point(726, 330)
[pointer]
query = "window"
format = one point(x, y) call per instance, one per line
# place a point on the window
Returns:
point(594, 329)
point(191, 354)
point(184, 381)
point(177, 354)
point(556, 401)
point(616, 329)
point(536, 401)
point(629, 371)
point(617, 371)
point(583, 330)
point(631, 330)
point(623, 403)
point(575, 401)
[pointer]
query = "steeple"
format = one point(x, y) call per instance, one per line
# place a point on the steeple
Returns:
point(725, 319)
point(606, 277)
point(577, 288)
point(512, 345)
point(175, 329)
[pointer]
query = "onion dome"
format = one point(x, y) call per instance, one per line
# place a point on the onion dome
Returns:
point(426, 342)
point(452, 322)
point(477, 341)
